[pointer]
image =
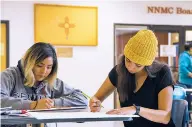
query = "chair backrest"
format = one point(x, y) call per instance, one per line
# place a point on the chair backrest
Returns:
point(180, 113)
point(179, 92)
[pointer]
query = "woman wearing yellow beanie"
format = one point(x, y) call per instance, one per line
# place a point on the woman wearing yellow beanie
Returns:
point(145, 86)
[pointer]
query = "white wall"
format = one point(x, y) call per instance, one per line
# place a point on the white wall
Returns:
point(89, 65)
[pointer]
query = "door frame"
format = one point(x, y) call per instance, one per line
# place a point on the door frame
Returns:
point(6, 22)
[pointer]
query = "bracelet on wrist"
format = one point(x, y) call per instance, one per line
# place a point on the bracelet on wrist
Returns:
point(137, 109)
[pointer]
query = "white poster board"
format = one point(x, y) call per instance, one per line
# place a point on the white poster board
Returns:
point(167, 50)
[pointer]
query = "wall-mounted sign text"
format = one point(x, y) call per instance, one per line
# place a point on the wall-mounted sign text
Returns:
point(168, 10)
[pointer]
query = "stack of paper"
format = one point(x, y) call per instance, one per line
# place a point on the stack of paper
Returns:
point(60, 108)
point(3, 110)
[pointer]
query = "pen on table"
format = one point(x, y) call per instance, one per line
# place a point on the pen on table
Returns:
point(16, 112)
point(89, 97)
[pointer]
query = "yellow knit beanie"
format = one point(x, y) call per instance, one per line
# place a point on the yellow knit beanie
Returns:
point(141, 48)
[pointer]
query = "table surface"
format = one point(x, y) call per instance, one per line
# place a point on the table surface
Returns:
point(188, 91)
point(12, 120)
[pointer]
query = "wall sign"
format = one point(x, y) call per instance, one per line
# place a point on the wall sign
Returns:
point(66, 52)
point(168, 50)
point(168, 10)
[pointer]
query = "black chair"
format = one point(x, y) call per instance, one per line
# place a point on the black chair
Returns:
point(189, 99)
point(180, 113)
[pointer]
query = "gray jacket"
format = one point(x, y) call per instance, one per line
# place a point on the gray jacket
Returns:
point(15, 94)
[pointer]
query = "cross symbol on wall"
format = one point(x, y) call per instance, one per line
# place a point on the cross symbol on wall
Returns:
point(66, 25)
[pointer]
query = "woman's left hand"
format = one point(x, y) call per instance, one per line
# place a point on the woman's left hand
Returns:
point(123, 111)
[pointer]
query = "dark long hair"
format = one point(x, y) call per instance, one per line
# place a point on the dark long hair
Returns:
point(126, 81)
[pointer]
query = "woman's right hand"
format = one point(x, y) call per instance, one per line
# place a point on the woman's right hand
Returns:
point(95, 104)
point(45, 103)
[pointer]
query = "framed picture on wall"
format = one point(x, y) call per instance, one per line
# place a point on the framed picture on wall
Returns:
point(4, 45)
point(66, 25)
